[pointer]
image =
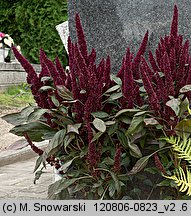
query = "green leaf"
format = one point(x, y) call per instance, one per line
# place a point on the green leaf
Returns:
point(129, 112)
point(83, 91)
point(174, 105)
point(123, 139)
point(68, 139)
point(125, 119)
point(108, 161)
point(112, 129)
point(183, 106)
point(56, 141)
point(111, 188)
point(135, 192)
point(35, 130)
point(142, 89)
point(46, 78)
point(124, 177)
point(185, 89)
point(100, 114)
point(78, 187)
point(65, 183)
point(116, 181)
point(139, 135)
point(55, 101)
point(64, 93)
point(108, 123)
point(161, 74)
point(182, 179)
point(99, 125)
point(125, 161)
point(140, 164)
point(73, 128)
point(141, 113)
point(139, 81)
point(189, 110)
point(98, 184)
point(103, 176)
point(84, 152)
point(152, 170)
point(19, 117)
point(116, 79)
point(46, 88)
point(38, 175)
point(62, 195)
point(183, 128)
point(150, 121)
point(66, 165)
point(148, 182)
point(164, 183)
point(49, 134)
point(64, 119)
point(97, 136)
point(38, 162)
point(137, 120)
point(90, 196)
point(100, 190)
point(182, 147)
point(36, 114)
point(115, 96)
point(135, 151)
point(59, 186)
point(114, 88)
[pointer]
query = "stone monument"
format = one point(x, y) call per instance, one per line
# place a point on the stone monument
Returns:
point(113, 25)
point(63, 31)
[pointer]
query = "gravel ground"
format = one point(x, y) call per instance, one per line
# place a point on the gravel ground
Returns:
point(6, 138)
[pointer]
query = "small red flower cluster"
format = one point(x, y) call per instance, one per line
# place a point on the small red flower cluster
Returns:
point(117, 160)
point(158, 164)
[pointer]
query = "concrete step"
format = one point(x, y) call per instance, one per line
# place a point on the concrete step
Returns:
point(13, 156)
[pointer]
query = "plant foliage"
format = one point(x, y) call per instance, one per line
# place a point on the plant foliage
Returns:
point(182, 179)
point(182, 147)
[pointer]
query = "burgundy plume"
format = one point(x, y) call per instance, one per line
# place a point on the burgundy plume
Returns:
point(128, 81)
point(117, 160)
point(168, 76)
point(174, 25)
point(137, 59)
point(153, 100)
point(81, 39)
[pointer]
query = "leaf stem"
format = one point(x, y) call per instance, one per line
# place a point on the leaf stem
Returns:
point(104, 192)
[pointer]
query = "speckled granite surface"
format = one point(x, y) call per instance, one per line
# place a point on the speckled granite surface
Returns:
point(110, 26)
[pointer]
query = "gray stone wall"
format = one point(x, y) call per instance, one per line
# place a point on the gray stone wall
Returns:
point(112, 25)
point(13, 74)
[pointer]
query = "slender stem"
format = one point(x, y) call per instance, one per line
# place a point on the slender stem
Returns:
point(104, 192)
point(152, 190)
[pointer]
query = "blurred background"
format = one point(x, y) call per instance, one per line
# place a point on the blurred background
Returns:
point(31, 24)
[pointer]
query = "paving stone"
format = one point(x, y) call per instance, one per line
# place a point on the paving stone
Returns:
point(17, 181)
